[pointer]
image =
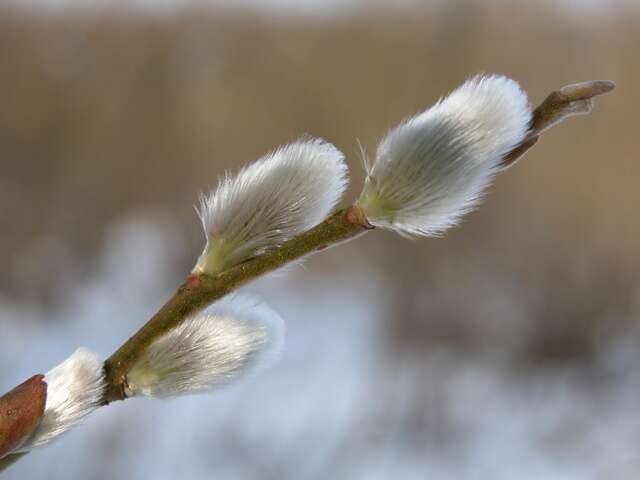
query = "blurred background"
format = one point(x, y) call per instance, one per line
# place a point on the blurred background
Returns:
point(506, 350)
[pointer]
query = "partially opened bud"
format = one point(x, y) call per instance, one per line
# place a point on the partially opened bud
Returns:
point(230, 339)
point(270, 201)
point(74, 390)
point(434, 167)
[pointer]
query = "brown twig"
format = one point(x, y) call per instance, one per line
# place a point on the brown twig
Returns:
point(200, 290)
point(575, 99)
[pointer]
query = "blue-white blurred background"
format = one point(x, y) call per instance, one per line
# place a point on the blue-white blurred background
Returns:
point(508, 349)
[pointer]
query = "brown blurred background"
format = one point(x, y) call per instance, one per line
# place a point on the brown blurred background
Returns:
point(112, 113)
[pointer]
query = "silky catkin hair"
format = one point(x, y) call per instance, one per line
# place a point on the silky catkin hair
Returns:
point(234, 337)
point(270, 201)
point(74, 390)
point(434, 167)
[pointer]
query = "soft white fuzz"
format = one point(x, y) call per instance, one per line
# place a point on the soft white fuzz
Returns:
point(270, 201)
point(433, 168)
point(230, 339)
point(74, 390)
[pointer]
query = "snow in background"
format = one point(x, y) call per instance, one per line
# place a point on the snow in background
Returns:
point(335, 406)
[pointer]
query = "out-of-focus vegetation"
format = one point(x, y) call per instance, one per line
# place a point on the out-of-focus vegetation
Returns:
point(105, 114)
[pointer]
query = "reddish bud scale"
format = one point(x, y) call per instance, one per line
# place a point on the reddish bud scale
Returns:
point(21, 410)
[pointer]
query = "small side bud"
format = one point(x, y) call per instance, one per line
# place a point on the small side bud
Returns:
point(270, 201)
point(434, 168)
point(228, 340)
point(74, 390)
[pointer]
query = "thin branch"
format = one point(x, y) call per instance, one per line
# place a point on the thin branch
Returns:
point(200, 290)
point(575, 99)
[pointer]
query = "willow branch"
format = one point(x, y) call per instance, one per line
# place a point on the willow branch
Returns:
point(200, 290)
point(575, 99)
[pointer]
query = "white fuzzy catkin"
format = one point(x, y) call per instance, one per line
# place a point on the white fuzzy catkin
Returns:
point(228, 340)
point(434, 168)
point(270, 201)
point(74, 390)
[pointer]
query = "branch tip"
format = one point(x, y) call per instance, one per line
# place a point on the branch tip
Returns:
point(570, 100)
point(587, 90)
